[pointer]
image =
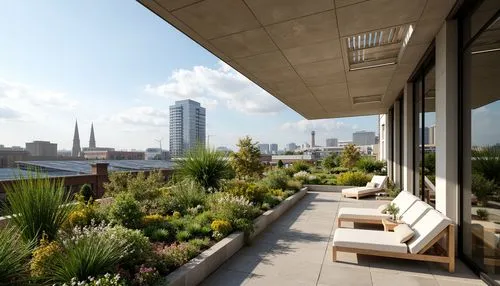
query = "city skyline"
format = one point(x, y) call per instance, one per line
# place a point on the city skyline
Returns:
point(127, 94)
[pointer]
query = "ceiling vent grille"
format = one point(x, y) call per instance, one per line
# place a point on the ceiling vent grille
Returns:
point(367, 99)
point(377, 48)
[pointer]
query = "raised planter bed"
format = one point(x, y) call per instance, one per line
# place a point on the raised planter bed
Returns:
point(200, 267)
point(327, 188)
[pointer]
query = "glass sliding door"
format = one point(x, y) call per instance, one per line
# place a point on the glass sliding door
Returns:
point(480, 120)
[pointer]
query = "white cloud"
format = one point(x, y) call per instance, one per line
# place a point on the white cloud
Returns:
point(29, 103)
point(8, 113)
point(214, 86)
point(142, 115)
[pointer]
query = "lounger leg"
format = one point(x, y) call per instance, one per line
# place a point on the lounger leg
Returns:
point(339, 222)
point(451, 248)
point(334, 254)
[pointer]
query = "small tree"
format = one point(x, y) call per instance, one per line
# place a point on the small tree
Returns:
point(280, 164)
point(246, 162)
point(330, 161)
point(350, 156)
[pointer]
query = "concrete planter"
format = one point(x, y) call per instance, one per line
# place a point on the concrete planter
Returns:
point(327, 188)
point(200, 267)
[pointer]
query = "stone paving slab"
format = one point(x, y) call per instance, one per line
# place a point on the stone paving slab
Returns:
point(295, 250)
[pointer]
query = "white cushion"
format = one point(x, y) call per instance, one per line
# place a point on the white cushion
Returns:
point(403, 201)
point(382, 208)
point(415, 212)
point(371, 185)
point(404, 232)
point(368, 240)
point(427, 228)
point(361, 213)
point(353, 192)
point(379, 181)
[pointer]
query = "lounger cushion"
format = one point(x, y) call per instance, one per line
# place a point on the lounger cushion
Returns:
point(416, 211)
point(353, 192)
point(368, 240)
point(371, 185)
point(361, 213)
point(426, 229)
point(404, 232)
point(382, 208)
point(403, 201)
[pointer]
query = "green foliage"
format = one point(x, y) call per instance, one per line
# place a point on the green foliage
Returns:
point(14, 255)
point(87, 193)
point(301, 166)
point(104, 280)
point(183, 235)
point(141, 187)
point(42, 257)
point(293, 185)
point(246, 162)
point(353, 179)
point(146, 276)
point(370, 165)
point(205, 167)
point(280, 164)
point(350, 156)
point(486, 162)
point(483, 214)
point(158, 234)
point(330, 161)
point(200, 243)
point(276, 179)
point(40, 205)
point(391, 189)
point(126, 211)
point(237, 210)
point(253, 192)
point(221, 228)
point(339, 170)
point(183, 196)
point(138, 246)
point(482, 188)
point(393, 210)
point(89, 252)
point(175, 255)
point(430, 163)
point(84, 213)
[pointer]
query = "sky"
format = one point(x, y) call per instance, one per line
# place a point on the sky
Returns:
point(116, 64)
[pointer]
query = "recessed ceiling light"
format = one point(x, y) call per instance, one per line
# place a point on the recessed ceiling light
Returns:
point(377, 48)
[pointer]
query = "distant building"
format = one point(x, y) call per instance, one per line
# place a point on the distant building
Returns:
point(332, 142)
point(291, 147)
point(264, 149)
point(42, 149)
point(432, 135)
point(223, 149)
point(362, 138)
point(426, 135)
point(9, 156)
point(63, 153)
point(344, 143)
point(113, 155)
point(156, 154)
point(274, 149)
point(313, 138)
point(92, 144)
point(187, 126)
point(76, 150)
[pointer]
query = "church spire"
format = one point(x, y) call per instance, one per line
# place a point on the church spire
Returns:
point(76, 151)
point(92, 137)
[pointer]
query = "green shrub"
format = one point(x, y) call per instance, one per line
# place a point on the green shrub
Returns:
point(280, 164)
point(293, 185)
point(87, 252)
point(146, 276)
point(482, 188)
point(339, 170)
point(301, 166)
point(239, 211)
point(41, 205)
point(87, 193)
point(14, 257)
point(142, 187)
point(330, 161)
point(42, 257)
point(158, 234)
point(370, 165)
point(155, 220)
point(204, 218)
point(138, 246)
point(184, 195)
point(175, 255)
point(183, 235)
point(353, 179)
point(487, 162)
point(205, 167)
point(221, 228)
point(253, 192)
point(276, 179)
point(271, 201)
point(246, 162)
point(126, 211)
point(201, 243)
point(483, 214)
point(85, 213)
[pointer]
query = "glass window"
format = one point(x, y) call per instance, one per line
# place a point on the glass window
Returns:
point(481, 185)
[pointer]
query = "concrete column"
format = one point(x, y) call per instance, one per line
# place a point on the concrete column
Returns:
point(408, 134)
point(447, 198)
point(397, 143)
point(100, 170)
point(388, 143)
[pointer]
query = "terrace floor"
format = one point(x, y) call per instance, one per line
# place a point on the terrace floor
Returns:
point(296, 250)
